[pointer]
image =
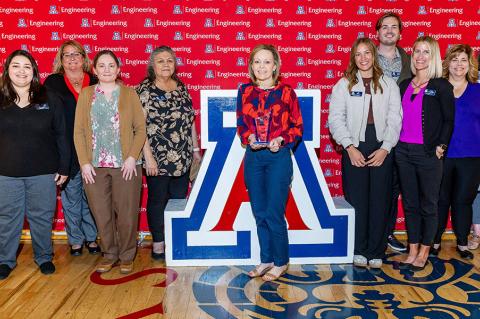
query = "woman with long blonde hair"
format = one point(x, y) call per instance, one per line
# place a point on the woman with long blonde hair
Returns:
point(428, 112)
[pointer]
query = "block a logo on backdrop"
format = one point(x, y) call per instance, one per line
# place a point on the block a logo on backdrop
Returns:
point(215, 226)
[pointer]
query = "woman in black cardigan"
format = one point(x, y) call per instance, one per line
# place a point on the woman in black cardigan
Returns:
point(71, 74)
point(429, 108)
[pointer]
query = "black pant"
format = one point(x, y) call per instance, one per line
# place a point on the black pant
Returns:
point(461, 177)
point(420, 178)
point(369, 191)
point(392, 219)
point(160, 190)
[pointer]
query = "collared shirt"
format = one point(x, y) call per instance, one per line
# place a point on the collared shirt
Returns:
point(391, 68)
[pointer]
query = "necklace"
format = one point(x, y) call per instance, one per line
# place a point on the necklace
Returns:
point(76, 82)
point(417, 86)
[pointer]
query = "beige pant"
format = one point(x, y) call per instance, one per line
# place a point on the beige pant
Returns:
point(114, 203)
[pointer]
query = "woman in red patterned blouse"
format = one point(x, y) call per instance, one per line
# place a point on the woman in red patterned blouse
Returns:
point(270, 124)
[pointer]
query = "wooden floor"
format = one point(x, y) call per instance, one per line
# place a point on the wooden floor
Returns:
point(447, 288)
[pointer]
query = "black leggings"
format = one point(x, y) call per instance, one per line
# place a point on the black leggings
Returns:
point(461, 177)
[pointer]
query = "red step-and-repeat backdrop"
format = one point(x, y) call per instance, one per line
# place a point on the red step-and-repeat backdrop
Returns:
point(213, 39)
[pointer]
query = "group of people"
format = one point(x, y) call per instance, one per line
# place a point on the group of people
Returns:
point(408, 125)
point(89, 134)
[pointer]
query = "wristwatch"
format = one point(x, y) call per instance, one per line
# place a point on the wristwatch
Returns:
point(443, 147)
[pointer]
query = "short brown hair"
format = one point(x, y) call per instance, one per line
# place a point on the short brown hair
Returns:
point(57, 62)
point(389, 14)
point(453, 52)
point(276, 60)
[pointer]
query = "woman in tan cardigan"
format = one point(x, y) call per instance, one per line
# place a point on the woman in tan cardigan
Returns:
point(109, 135)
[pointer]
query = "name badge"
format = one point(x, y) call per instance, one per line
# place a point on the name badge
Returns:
point(430, 92)
point(43, 106)
point(395, 74)
point(356, 93)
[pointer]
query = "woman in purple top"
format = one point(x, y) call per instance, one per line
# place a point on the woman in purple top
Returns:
point(461, 171)
point(428, 113)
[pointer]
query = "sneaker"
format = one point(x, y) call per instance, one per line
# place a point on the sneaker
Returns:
point(395, 244)
point(47, 268)
point(474, 242)
point(360, 261)
point(375, 263)
point(4, 271)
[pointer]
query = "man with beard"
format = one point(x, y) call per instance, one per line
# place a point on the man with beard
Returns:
point(395, 63)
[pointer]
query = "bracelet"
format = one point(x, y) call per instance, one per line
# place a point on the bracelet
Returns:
point(196, 149)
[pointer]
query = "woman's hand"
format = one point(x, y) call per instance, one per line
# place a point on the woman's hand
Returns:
point(88, 174)
point(356, 157)
point(129, 168)
point(60, 179)
point(251, 141)
point(151, 166)
point(439, 151)
point(377, 157)
point(275, 144)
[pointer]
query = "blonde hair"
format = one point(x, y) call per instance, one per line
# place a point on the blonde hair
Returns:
point(57, 62)
point(453, 52)
point(435, 68)
point(276, 61)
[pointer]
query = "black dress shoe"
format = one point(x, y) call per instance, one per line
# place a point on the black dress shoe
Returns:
point(418, 268)
point(402, 265)
point(76, 251)
point(92, 250)
point(158, 256)
point(465, 254)
point(4, 271)
point(47, 268)
point(434, 251)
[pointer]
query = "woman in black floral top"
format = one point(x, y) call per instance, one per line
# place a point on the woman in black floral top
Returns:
point(172, 142)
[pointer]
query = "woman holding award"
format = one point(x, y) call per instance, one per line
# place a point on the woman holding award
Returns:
point(365, 118)
point(270, 124)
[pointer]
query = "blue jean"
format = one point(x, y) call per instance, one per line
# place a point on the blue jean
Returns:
point(267, 177)
point(79, 222)
point(36, 197)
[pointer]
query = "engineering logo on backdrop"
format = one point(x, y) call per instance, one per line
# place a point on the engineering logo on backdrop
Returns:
point(216, 226)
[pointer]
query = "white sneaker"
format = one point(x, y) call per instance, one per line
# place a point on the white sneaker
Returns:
point(360, 261)
point(375, 263)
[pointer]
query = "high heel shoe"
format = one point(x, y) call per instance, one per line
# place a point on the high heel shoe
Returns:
point(93, 250)
point(418, 268)
point(76, 251)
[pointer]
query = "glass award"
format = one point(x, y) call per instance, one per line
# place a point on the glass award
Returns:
point(262, 127)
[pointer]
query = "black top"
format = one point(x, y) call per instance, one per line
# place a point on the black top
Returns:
point(56, 83)
point(438, 112)
point(33, 140)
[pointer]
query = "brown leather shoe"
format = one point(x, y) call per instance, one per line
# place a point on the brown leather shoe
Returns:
point(126, 267)
point(105, 265)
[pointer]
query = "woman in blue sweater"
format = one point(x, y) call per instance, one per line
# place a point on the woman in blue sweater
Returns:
point(461, 172)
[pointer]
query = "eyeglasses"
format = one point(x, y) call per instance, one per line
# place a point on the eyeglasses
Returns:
point(73, 55)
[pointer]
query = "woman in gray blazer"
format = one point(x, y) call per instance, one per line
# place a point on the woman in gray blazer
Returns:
point(365, 118)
